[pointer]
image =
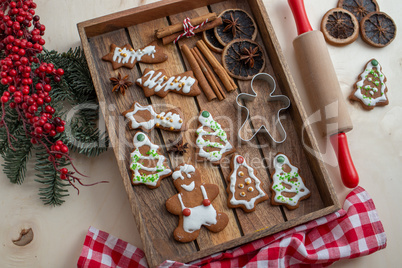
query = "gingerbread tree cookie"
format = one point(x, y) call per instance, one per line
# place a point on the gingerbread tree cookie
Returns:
point(126, 56)
point(193, 204)
point(160, 84)
point(288, 187)
point(212, 141)
point(148, 164)
point(244, 188)
point(145, 118)
point(370, 89)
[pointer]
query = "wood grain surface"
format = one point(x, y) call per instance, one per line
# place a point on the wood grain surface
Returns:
point(155, 224)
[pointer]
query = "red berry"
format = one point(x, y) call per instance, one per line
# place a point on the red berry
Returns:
point(12, 105)
point(47, 127)
point(4, 99)
point(60, 71)
point(56, 148)
point(52, 133)
point(34, 141)
point(62, 176)
point(59, 143)
point(58, 155)
point(60, 129)
point(63, 171)
point(64, 149)
point(38, 130)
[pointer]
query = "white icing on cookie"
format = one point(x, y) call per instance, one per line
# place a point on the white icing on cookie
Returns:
point(297, 186)
point(158, 81)
point(249, 204)
point(189, 187)
point(370, 74)
point(140, 139)
point(200, 215)
point(166, 120)
point(186, 169)
point(123, 55)
point(206, 120)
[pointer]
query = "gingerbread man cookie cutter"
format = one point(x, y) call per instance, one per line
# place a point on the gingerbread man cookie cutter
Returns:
point(246, 97)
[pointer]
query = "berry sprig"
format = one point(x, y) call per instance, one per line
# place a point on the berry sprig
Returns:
point(28, 81)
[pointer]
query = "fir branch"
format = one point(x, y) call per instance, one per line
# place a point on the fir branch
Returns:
point(53, 191)
point(15, 161)
point(85, 138)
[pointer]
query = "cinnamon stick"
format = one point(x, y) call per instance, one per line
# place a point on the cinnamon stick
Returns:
point(170, 38)
point(209, 74)
point(227, 81)
point(202, 81)
point(169, 30)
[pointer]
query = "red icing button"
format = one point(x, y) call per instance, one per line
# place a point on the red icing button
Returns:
point(206, 202)
point(240, 159)
point(186, 212)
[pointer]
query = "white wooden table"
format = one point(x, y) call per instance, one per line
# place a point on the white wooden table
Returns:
point(375, 144)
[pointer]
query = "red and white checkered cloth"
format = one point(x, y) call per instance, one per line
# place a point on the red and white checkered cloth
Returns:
point(354, 231)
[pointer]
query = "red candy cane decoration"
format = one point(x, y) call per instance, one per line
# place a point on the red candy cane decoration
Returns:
point(189, 29)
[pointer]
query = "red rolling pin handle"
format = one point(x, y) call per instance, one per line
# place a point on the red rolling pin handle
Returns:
point(300, 16)
point(349, 175)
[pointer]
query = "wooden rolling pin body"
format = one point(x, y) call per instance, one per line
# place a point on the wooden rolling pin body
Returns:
point(323, 89)
point(322, 83)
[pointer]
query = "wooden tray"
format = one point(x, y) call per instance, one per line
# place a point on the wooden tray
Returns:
point(136, 26)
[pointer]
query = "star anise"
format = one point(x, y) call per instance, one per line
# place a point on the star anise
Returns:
point(232, 24)
point(120, 83)
point(179, 147)
point(248, 54)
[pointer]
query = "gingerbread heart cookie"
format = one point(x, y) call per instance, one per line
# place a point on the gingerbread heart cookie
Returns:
point(193, 204)
point(126, 56)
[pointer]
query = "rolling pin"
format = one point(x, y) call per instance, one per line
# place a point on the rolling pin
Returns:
point(323, 90)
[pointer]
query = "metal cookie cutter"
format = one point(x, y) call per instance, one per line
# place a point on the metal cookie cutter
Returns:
point(250, 97)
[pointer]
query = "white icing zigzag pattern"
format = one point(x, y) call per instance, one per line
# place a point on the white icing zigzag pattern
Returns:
point(123, 55)
point(169, 120)
point(157, 81)
point(206, 120)
point(140, 139)
point(291, 179)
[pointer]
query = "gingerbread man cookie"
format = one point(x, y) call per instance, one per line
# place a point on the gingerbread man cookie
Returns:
point(212, 141)
point(145, 118)
point(148, 164)
point(288, 187)
point(126, 56)
point(193, 204)
point(245, 190)
point(160, 84)
point(370, 90)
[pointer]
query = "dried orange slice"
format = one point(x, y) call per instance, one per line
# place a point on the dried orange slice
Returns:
point(237, 24)
point(359, 8)
point(243, 58)
point(340, 27)
point(378, 29)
